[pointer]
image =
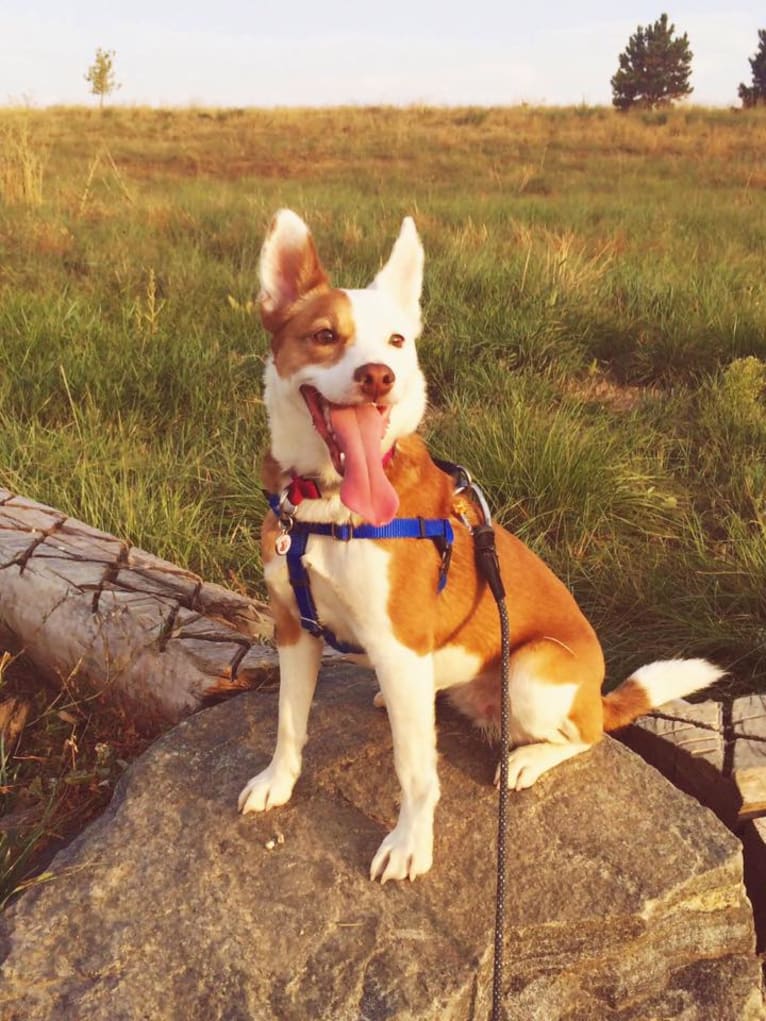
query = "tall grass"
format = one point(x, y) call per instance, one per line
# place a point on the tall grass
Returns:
point(595, 343)
point(21, 166)
point(595, 308)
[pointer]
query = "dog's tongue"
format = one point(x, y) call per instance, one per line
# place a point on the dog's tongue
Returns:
point(365, 488)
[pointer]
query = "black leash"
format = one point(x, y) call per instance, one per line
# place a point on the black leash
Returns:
point(487, 562)
point(489, 567)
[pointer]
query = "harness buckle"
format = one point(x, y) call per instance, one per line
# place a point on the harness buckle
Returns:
point(343, 533)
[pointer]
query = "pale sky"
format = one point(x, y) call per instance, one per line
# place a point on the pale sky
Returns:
point(298, 53)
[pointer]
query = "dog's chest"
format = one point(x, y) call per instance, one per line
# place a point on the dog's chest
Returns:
point(349, 585)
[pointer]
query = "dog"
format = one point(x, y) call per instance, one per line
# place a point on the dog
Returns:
point(344, 395)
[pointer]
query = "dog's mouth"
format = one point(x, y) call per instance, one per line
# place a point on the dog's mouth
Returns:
point(353, 435)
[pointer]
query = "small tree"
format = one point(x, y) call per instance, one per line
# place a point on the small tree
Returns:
point(100, 75)
point(755, 94)
point(654, 68)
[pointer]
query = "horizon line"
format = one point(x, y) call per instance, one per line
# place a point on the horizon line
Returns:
point(415, 104)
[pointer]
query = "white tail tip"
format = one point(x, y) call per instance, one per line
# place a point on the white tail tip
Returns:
point(667, 679)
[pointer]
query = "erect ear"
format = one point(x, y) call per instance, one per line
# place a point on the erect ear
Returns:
point(402, 275)
point(289, 268)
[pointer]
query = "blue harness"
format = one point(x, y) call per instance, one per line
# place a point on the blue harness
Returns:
point(439, 530)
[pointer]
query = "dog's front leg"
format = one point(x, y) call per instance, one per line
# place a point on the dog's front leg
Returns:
point(298, 669)
point(407, 683)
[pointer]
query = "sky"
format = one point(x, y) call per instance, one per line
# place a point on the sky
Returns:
point(298, 53)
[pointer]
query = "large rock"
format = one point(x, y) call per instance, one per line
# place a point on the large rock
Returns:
point(625, 896)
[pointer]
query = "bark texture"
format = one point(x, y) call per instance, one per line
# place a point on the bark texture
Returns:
point(78, 601)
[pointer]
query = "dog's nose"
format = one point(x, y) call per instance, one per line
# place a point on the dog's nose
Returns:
point(375, 380)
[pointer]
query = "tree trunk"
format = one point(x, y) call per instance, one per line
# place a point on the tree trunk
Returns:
point(83, 604)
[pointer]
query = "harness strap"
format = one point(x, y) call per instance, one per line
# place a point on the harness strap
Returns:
point(438, 530)
point(299, 579)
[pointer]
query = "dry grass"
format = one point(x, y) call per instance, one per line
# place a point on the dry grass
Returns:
point(61, 753)
point(523, 144)
point(21, 166)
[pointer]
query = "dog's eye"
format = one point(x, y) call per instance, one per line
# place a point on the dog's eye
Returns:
point(325, 337)
point(396, 340)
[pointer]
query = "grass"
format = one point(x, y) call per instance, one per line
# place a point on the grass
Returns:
point(595, 343)
point(72, 747)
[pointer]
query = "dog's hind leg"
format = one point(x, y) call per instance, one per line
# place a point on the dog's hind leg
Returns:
point(528, 762)
point(298, 669)
point(555, 706)
point(407, 683)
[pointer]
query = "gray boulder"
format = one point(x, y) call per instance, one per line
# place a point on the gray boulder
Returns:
point(625, 896)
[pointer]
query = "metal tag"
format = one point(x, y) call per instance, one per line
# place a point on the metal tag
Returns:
point(283, 543)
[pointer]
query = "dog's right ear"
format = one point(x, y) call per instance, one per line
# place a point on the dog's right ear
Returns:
point(289, 268)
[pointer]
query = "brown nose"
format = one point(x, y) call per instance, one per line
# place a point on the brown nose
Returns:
point(375, 380)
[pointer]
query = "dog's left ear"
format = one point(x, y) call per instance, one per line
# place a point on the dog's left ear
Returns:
point(402, 275)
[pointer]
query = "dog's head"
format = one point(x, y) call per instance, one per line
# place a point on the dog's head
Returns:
point(343, 381)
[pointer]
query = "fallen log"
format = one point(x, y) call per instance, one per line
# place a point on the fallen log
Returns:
point(80, 603)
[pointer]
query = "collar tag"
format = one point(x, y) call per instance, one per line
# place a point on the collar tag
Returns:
point(283, 543)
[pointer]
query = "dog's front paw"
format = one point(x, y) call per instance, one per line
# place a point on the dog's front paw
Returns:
point(268, 789)
point(404, 854)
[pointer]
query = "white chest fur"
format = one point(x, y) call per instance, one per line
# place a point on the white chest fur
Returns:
point(349, 586)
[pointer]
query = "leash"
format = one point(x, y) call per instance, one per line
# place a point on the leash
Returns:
point(489, 567)
point(486, 559)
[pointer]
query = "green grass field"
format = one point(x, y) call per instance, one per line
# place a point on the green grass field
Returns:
point(595, 335)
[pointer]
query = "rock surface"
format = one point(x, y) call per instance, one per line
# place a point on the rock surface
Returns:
point(625, 896)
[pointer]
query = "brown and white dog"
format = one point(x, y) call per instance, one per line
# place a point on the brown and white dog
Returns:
point(343, 390)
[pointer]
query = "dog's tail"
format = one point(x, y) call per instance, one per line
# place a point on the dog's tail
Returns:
point(653, 685)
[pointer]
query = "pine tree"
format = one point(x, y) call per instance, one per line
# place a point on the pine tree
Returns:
point(755, 94)
point(100, 74)
point(654, 68)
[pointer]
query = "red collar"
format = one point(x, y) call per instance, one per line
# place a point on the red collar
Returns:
point(302, 488)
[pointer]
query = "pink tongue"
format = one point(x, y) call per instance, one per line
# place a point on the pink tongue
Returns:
point(365, 488)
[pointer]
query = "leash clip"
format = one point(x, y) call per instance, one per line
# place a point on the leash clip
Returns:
point(477, 495)
point(464, 484)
